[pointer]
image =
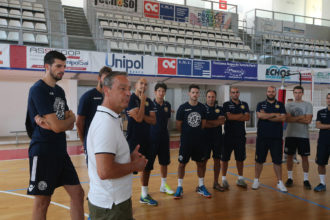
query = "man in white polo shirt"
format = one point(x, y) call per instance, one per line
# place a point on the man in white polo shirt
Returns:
point(110, 163)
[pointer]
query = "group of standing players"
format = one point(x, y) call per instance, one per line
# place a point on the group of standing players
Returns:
point(200, 126)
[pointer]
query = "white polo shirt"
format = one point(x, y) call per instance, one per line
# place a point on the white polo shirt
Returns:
point(105, 135)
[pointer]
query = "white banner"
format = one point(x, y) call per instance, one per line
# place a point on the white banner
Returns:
point(4, 55)
point(77, 60)
point(132, 64)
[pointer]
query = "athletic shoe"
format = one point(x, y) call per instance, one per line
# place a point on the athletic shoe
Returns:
point(148, 200)
point(225, 184)
point(179, 192)
point(281, 187)
point(217, 186)
point(289, 182)
point(255, 185)
point(307, 185)
point(241, 183)
point(203, 191)
point(295, 160)
point(166, 189)
point(320, 188)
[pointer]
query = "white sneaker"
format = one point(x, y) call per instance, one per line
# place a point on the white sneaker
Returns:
point(166, 189)
point(281, 187)
point(255, 185)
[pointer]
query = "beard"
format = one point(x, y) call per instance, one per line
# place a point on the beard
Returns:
point(271, 98)
point(56, 78)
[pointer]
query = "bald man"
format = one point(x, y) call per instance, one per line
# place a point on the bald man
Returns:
point(141, 114)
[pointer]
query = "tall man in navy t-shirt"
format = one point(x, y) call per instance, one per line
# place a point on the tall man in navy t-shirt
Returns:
point(159, 135)
point(141, 114)
point(190, 122)
point(213, 129)
point(50, 164)
point(237, 112)
point(323, 144)
point(271, 115)
point(87, 107)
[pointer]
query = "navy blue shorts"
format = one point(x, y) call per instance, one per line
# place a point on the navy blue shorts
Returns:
point(215, 147)
point(322, 153)
point(161, 148)
point(145, 150)
point(236, 144)
point(49, 172)
point(195, 151)
point(272, 144)
point(294, 143)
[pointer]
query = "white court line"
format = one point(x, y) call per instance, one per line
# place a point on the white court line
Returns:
point(32, 197)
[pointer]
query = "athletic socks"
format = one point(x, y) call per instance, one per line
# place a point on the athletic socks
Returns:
point(322, 179)
point(305, 176)
point(240, 177)
point(180, 181)
point(144, 191)
point(163, 182)
point(200, 182)
point(290, 174)
point(224, 178)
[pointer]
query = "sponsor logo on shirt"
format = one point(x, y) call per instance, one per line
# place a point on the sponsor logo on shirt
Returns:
point(59, 108)
point(31, 187)
point(217, 110)
point(194, 119)
point(51, 93)
point(277, 106)
point(42, 185)
point(187, 109)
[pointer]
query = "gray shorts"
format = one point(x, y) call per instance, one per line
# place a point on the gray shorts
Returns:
point(121, 211)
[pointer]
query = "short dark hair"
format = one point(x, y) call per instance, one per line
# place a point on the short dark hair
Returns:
point(108, 80)
point(211, 90)
point(328, 94)
point(193, 86)
point(105, 70)
point(161, 85)
point(299, 87)
point(52, 55)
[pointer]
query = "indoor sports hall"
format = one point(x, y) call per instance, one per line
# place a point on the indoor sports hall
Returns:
point(216, 44)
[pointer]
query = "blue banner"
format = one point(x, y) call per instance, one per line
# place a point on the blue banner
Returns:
point(234, 70)
point(201, 68)
point(166, 12)
point(184, 67)
point(181, 14)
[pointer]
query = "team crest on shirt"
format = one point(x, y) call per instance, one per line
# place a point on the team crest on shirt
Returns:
point(42, 185)
point(59, 108)
point(277, 106)
point(147, 103)
point(194, 119)
point(165, 109)
point(217, 110)
point(180, 157)
point(242, 107)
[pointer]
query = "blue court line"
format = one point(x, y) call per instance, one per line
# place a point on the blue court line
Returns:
point(234, 174)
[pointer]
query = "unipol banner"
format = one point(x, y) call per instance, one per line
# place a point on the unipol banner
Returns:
point(234, 70)
point(119, 5)
point(76, 60)
point(4, 55)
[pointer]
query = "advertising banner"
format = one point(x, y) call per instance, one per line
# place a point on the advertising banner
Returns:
point(184, 67)
point(166, 12)
point(201, 17)
point(201, 68)
point(275, 73)
point(181, 14)
point(234, 70)
point(4, 55)
point(167, 66)
point(119, 5)
point(151, 9)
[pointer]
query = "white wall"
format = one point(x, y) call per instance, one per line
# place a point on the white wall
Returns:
point(14, 95)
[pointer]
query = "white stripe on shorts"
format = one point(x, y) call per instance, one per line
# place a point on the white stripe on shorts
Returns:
point(34, 168)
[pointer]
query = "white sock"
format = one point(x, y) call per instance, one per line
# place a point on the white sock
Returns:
point(144, 191)
point(163, 182)
point(280, 182)
point(290, 174)
point(305, 176)
point(256, 180)
point(200, 182)
point(240, 177)
point(224, 178)
point(322, 179)
point(180, 181)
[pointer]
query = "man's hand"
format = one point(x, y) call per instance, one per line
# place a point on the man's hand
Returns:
point(133, 112)
point(142, 97)
point(139, 162)
point(41, 122)
point(135, 154)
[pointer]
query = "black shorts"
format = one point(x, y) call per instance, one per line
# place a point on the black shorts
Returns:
point(49, 172)
point(161, 148)
point(145, 150)
point(215, 147)
point(294, 143)
point(272, 144)
point(322, 153)
point(236, 144)
point(196, 151)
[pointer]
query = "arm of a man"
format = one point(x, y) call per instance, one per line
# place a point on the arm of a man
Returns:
point(57, 125)
point(136, 112)
point(80, 127)
point(150, 119)
point(319, 125)
point(215, 123)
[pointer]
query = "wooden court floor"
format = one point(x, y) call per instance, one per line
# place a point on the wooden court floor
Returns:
point(237, 203)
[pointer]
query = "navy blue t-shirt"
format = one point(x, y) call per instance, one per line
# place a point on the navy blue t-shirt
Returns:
point(191, 117)
point(87, 107)
point(212, 113)
point(323, 116)
point(235, 128)
point(139, 132)
point(159, 130)
point(44, 100)
point(267, 128)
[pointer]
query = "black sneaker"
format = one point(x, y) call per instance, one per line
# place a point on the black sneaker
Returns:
point(307, 185)
point(289, 183)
